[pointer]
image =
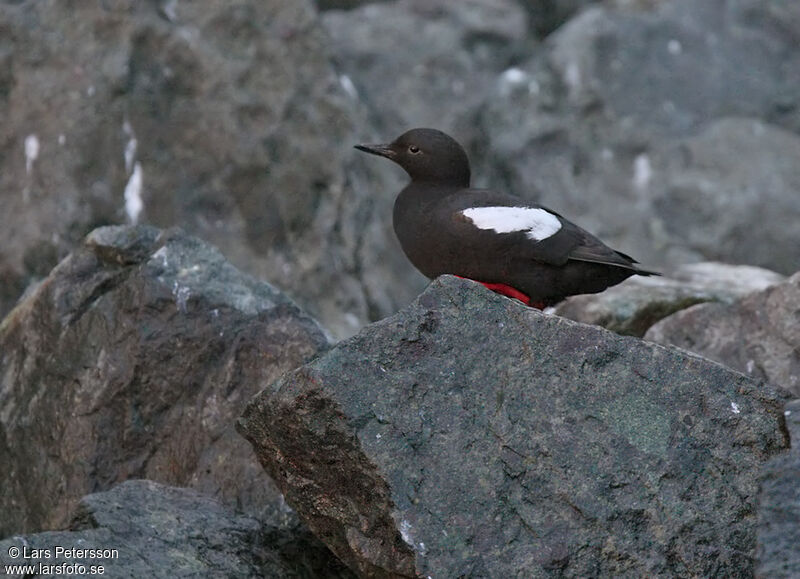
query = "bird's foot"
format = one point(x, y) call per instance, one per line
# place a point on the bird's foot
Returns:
point(508, 291)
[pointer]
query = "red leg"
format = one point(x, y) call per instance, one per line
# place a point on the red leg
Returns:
point(508, 291)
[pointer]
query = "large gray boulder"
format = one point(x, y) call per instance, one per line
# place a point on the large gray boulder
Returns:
point(758, 335)
point(144, 529)
point(672, 133)
point(471, 436)
point(132, 360)
point(418, 63)
point(224, 118)
point(779, 508)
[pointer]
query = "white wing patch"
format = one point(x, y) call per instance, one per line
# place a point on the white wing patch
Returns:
point(537, 224)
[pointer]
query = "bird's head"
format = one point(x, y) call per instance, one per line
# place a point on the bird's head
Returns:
point(427, 155)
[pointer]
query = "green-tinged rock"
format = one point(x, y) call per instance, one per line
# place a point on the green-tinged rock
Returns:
point(132, 359)
point(471, 436)
point(758, 335)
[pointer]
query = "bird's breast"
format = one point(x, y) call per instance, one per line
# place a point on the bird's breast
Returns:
point(417, 224)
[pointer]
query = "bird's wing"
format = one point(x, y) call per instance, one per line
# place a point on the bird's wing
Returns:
point(536, 232)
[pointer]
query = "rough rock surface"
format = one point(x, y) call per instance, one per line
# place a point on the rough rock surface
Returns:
point(159, 531)
point(547, 15)
point(224, 118)
point(418, 63)
point(779, 508)
point(342, 4)
point(758, 335)
point(633, 306)
point(672, 133)
point(234, 120)
point(471, 436)
point(132, 360)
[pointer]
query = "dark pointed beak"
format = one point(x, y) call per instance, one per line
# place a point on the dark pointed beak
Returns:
point(380, 150)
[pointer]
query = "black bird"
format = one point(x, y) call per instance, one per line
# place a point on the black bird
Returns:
point(511, 246)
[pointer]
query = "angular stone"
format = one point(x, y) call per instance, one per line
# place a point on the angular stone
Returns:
point(144, 529)
point(471, 436)
point(224, 117)
point(779, 508)
point(426, 64)
point(633, 306)
point(618, 124)
point(758, 335)
point(131, 360)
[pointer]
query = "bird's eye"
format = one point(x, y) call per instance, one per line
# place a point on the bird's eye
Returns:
point(413, 149)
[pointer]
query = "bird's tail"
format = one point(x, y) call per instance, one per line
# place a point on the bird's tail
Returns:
point(640, 271)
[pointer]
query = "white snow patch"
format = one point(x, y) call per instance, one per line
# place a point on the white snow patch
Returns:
point(573, 76)
point(513, 75)
point(181, 294)
point(168, 10)
point(31, 152)
point(510, 79)
point(405, 532)
point(186, 271)
point(536, 223)
point(130, 147)
point(348, 86)
point(133, 194)
point(751, 365)
point(642, 171)
point(787, 412)
point(735, 408)
point(162, 255)
point(352, 320)
point(674, 47)
point(91, 90)
point(62, 139)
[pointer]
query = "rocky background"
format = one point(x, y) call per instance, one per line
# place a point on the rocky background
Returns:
point(670, 128)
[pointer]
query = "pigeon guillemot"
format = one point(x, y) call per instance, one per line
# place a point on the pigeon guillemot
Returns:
point(513, 247)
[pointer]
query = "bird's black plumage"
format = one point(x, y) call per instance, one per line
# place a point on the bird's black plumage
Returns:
point(444, 226)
